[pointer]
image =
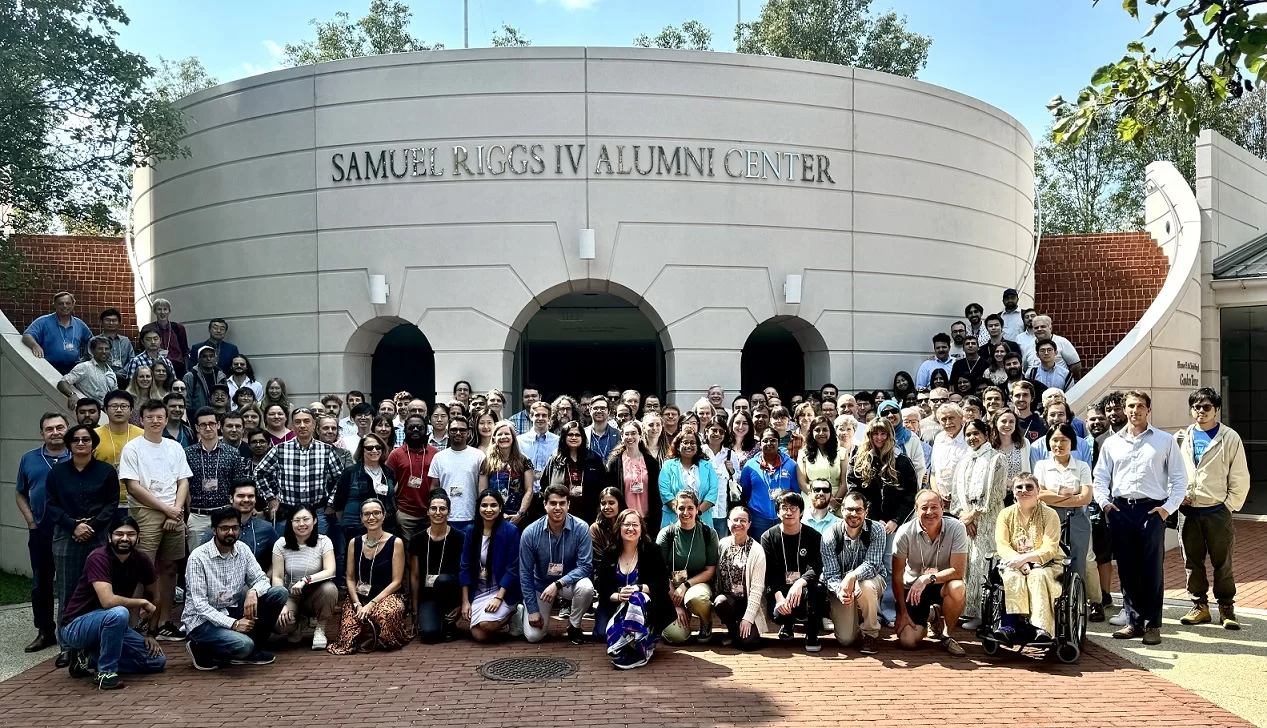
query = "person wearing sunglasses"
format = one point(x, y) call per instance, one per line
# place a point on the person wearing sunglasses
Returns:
point(930, 427)
point(819, 516)
point(456, 471)
point(368, 477)
point(1027, 541)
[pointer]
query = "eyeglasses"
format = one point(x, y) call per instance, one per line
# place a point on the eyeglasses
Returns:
point(1202, 407)
point(208, 425)
point(822, 490)
point(79, 440)
point(939, 400)
point(119, 406)
point(415, 427)
point(574, 434)
point(301, 520)
point(459, 430)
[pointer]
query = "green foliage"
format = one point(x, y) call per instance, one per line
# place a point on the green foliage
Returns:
point(177, 79)
point(384, 29)
point(692, 35)
point(76, 113)
point(509, 36)
point(1220, 55)
point(835, 31)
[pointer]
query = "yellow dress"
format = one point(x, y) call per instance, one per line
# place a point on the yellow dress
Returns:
point(1035, 593)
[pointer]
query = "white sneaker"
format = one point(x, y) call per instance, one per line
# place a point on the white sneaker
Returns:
point(516, 625)
point(1120, 619)
point(319, 638)
point(972, 625)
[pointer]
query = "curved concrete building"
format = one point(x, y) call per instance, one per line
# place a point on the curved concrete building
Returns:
point(596, 216)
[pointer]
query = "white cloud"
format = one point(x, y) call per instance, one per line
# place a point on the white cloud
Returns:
point(274, 50)
point(572, 4)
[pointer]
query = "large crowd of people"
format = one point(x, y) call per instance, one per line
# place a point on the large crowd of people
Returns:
point(186, 501)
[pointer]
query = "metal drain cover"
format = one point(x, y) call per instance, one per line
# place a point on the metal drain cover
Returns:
point(528, 669)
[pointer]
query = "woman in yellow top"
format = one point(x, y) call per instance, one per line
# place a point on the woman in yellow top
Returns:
point(1027, 538)
point(820, 458)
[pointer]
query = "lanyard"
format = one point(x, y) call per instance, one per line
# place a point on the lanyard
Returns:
point(783, 545)
point(673, 558)
point(426, 569)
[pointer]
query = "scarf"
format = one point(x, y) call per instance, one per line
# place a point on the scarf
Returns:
point(902, 435)
point(974, 470)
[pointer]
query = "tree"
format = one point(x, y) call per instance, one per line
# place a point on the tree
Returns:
point(76, 114)
point(693, 35)
point(384, 29)
point(509, 36)
point(835, 31)
point(177, 79)
point(1221, 47)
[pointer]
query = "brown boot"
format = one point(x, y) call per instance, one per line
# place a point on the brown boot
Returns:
point(1199, 614)
point(1227, 615)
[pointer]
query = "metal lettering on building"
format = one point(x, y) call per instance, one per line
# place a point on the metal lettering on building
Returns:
point(522, 159)
point(1189, 373)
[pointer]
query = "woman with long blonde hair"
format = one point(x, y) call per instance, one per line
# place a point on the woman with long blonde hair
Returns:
point(653, 436)
point(143, 388)
point(508, 471)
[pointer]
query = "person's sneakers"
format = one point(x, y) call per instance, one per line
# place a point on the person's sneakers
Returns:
point(319, 641)
point(1227, 615)
point(1121, 619)
point(972, 625)
point(516, 625)
point(258, 657)
point(812, 643)
point(870, 645)
point(79, 665)
point(63, 660)
point(1199, 614)
point(200, 661)
point(1095, 613)
point(109, 681)
point(954, 647)
point(706, 631)
point(576, 635)
point(787, 632)
point(1128, 632)
point(169, 633)
point(1006, 635)
point(1152, 636)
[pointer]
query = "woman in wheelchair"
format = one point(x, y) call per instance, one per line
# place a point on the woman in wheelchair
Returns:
point(1027, 539)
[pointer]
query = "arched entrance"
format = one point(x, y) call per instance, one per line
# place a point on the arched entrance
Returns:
point(403, 360)
point(786, 353)
point(584, 341)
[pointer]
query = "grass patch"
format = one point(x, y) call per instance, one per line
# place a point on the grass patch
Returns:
point(14, 589)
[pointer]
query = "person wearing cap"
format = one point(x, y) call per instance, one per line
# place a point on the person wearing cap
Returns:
point(200, 380)
point(225, 351)
point(1013, 321)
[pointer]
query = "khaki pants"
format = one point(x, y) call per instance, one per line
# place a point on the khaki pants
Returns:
point(1033, 594)
point(411, 526)
point(698, 600)
point(153, 541)
point(867, 602)
point(317, 601)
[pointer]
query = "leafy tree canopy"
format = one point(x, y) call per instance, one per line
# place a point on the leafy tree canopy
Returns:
point(509, 36)
point(692, 35)
point(384, 29)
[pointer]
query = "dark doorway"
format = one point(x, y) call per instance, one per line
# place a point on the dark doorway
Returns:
point(404, 360)
point(589, 342)
point(772, 358)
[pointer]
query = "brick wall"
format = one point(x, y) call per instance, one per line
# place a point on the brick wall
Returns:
point(1097, 287)
point(94, 269)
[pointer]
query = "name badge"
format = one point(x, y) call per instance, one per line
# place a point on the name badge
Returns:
point(431, 580)
point(576, 491)
point(736, 588)
point(380, 487)
point(790, 577)
point(484, 574)
point(455, 491)
point(555, 570)
point(1022, 544)
point(209, 484)
point(68, 346)
point(679, 577)
point(363, 588)
point(415, 482)
point(636, 488)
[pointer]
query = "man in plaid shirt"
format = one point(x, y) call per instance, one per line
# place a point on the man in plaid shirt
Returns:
point(150, 353)
point(853, 568)
point(215, 467)
point(302, 471)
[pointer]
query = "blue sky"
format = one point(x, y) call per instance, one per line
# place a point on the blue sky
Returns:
point(1014, 54)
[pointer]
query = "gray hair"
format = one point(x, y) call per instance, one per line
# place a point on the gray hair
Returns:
point(950, 408)
point(846, 422)
point(160, 302)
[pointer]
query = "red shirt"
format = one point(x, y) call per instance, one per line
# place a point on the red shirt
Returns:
point(406, 465)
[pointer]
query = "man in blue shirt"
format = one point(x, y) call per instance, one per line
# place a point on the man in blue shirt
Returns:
point(1139, 481)
point(58, 337)
point(941, 360)
point(600, 435)
point(538, 443)
point(522, 420)
point(225, 351)
point(556, 561)
point(33, 470)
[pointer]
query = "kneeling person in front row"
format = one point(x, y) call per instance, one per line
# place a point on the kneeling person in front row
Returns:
point(230, 606)
point(931, 554)
point(793, 562)
point(95, 619)
point(556, 560)
point(853, 566)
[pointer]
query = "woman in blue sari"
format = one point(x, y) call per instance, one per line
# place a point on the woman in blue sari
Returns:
point(635, 582)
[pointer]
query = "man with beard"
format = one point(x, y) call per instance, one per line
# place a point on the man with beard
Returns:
point(1099, 570)
point(853, 568)
point(95, 620)
point(230, 607)
point(819, 516)
point(411, 463)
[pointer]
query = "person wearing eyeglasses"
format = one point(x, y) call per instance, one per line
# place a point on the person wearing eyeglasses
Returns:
point(855, 563)
point(435, 562)
point(930, 427)
point(456, 471)
point(633, 586)
point(304, 563)
point(368, 477)
point(1218, 483)
point(299, 471)
point(213, 467)
point(374, 617)
point(1027, 541)
point(739, 583)
point(819, 516)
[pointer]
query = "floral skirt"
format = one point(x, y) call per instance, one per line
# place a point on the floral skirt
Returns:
point(386, 628)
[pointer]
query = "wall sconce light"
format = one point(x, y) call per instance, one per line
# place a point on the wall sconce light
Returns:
point(378, 290)
point(792, 289)
point(587, 244)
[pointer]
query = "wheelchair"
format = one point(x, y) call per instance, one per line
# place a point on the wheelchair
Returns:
point(1070, 610)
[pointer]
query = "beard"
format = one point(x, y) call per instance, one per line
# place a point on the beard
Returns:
point(121, 547)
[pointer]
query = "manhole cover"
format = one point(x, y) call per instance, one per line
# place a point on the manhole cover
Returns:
point(528, 669)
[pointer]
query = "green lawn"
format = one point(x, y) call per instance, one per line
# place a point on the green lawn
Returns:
point(14, 589)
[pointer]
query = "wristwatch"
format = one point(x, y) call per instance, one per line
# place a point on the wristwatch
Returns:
point(932, 579)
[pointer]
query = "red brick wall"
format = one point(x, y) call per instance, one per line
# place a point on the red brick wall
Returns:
point(1097, 287)
point(94, 269)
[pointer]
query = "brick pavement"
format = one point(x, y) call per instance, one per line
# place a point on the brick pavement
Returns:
point(695, 686)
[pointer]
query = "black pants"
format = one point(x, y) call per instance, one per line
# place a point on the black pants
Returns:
point(730, 610)
point(1210, 534)
point(1139, 544)
point(435, 602)
point(43, 567)
point(809, 612)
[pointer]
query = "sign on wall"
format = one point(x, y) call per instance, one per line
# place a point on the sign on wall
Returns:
point(1189, 373)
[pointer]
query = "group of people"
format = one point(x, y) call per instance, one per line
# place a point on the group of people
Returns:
point(261, 517)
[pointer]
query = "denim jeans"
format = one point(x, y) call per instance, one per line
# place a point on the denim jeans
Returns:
point(223, 644)
point(104, 634)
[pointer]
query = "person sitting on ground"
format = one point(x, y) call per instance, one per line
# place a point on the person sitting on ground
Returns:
point(1027, 538)
point(634, 585)
point(231, 607)
point(739, 586)
point(689, 549)
point(95, 618)
point(490, 571)
point(435, 561)
point(304, 564)
point(931, 554)
point(556, 562)
point(374, 615)
point(605, 533)
point(854, 566)
point(794, 562)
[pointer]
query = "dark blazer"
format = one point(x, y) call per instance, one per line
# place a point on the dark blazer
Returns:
point(503, 556)
point(889, 501)
point(653, 573)
point(353, 487)
point(616, 479)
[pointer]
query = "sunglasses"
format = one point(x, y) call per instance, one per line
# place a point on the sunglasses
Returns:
point(822, 490)
point(1202, 407)
point(1024, 487)
point(79, 440)
point(373, 448)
